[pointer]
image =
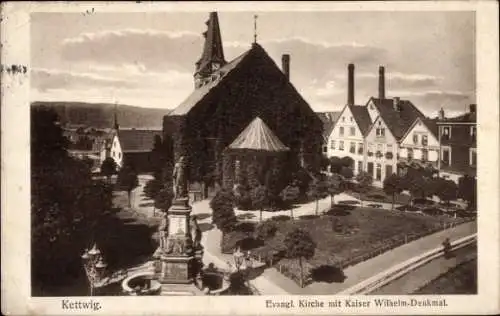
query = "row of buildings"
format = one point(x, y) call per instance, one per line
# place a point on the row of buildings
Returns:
point(391, 135)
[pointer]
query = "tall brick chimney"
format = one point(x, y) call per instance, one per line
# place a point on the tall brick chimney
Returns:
point(472, 108)
point(381, 83)
point(285, 65)
point(350, 84)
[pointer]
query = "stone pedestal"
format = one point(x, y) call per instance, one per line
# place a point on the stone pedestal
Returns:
point(176, 263)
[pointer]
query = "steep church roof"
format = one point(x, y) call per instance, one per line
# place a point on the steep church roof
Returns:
point(198, 94)
point(257, 136)
point(212, 49)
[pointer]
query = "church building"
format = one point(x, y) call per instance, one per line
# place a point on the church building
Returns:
point(227, 97)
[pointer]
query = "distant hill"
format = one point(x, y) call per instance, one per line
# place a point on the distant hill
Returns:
point(101, 115)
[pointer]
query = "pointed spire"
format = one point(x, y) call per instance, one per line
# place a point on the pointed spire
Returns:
point(255, 28)
point(116, 126)
point(213, 52)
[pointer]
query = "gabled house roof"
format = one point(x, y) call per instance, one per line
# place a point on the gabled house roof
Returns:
point(398, 121)
point(429, 123)
point(137, 140)
point(469, 117)
point(257, 136)
point(328, 119)
point(362, 118)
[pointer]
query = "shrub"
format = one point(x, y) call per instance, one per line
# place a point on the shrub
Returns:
point(308, 216)
point(281, 218)
point(231, 240)
point(265, 230)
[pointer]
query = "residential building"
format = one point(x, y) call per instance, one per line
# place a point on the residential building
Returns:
point(419, 148)
point(457, 139)
point(328, 119)
point(347, 136)
point(371, 134)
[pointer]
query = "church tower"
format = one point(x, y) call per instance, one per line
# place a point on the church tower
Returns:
point(212, 57)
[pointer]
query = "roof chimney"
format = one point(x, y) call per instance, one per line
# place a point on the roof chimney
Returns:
point(441, 114)
point(350, 84)
point(472, 108)
point(396, 104)
point(285, 65)
point(381, 83)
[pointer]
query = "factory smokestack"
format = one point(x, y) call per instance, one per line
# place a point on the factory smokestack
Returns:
point(381, 83)
point(350, 84)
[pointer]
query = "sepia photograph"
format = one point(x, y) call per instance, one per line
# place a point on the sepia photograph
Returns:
point(216, 154)
point(323, 160)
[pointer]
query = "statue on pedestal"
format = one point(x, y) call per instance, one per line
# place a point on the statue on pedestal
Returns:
point(180, 179)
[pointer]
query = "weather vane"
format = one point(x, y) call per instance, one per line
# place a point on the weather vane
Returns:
point(255, 28)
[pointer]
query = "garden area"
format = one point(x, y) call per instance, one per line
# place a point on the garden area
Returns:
point(343, 236)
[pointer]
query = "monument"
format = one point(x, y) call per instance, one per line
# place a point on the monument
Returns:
point(177, 262)
point(179, 252)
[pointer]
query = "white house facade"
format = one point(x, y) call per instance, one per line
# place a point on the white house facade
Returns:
point(346, 139)
point(421, 143)
point(381, 152)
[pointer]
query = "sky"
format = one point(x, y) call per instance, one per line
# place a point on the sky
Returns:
point(147, 59)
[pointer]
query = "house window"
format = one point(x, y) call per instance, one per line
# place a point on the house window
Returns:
point(424, 140)
point(379, 147)
point(415, 139)
point(360, 166)
point(389, 148)
point(446, 132)
point(341, 145)
point(352, 147)
point(341, 131)
point(360, 148)
point(445, 154)
point(119, 155)
point(472, 157)
point(325, 149)
point(343, 119)
point(352, 131)
point(378, 175)
point(425, 155)
point(332, 144)
point(410, 153)
point(473, 133)
point(388, 170)
point(351, 118)
point(370, 168)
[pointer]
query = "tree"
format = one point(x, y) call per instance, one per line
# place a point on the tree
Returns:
point(334, 186)
point(392, 186)
point(290, 195)
point(222, 210)
point(163, 199)
point(260, 198)
point(265, 230)
point(467, 190)
point(347, 162)
point(66, 203)
point(446, 190)
point(346, 172)
point(128, 181)
point(318, 189)
point(335, 164)
point(299, 245)
point(364, 180)
point(108, 168)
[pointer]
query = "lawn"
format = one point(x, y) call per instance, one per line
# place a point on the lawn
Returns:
point(460, 280)
point(378, 195)
point(347, 236)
